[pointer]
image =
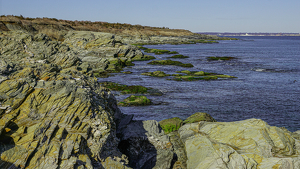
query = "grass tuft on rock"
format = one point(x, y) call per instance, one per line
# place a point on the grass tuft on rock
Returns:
point(172, 124)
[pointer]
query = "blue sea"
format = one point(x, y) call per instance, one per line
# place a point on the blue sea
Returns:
point(267, 86)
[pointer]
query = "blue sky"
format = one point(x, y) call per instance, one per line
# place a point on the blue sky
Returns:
point(193, 15)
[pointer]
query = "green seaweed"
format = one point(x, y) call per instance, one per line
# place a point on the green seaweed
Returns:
point(124, 88)
point(156, 74)
point(179, 56)
point(159, 51)
point(170, 62)
point(135, 101)
point(198, 75)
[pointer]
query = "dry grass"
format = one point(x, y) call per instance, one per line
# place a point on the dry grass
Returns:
point(53, 33)
point(56, 25)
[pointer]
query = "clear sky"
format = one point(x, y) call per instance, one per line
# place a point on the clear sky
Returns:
point(193, 15)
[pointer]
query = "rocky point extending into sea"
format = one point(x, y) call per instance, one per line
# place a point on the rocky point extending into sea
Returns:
point(55, 114)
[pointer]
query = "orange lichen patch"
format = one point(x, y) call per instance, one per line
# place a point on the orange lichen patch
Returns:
point(7, 130)
point(121, 54)
point(168, 145)
point(46, 78)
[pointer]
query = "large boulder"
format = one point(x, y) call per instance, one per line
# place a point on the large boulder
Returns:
point(245, 144)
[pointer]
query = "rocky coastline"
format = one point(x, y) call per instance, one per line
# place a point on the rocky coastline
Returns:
point(55, 114)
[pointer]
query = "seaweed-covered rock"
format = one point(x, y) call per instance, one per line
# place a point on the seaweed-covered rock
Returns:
point(156, 74)
point(135, 101)
point(125, 89)
point(170, 62)
point(159, 51)
point(194, 75)
point(134, 89)
point(196, 117)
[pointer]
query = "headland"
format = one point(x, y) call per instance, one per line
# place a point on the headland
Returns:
point(55, 114)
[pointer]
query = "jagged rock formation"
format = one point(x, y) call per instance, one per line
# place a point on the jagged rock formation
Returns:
point(53, 112)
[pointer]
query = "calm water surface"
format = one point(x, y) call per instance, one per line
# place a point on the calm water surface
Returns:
point(267, 87)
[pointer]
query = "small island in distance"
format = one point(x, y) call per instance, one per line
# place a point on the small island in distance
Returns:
point(249, 34)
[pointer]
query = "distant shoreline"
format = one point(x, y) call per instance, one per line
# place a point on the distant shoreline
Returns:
point(249, 34)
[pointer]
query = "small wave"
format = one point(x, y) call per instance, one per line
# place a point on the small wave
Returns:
point(269, 70)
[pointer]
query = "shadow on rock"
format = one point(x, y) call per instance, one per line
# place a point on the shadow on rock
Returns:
point(7, 165)
point(144, 143)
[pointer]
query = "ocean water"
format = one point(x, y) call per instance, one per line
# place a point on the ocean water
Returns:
point(267, 86)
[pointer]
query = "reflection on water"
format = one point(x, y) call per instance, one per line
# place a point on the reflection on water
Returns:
point(267, 87)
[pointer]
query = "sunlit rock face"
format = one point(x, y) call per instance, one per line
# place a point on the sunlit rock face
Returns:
point(250, 143)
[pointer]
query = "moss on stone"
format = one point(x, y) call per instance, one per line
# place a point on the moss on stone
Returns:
point(199, 117)
point(135, 101)
point(172, 124)
point(170, 62)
